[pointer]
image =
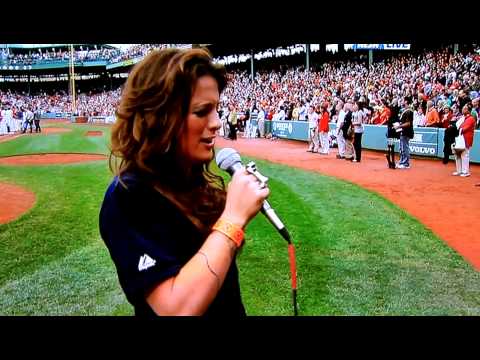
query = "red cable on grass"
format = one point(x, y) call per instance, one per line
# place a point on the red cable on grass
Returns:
point(293, 271)
point(293, 267)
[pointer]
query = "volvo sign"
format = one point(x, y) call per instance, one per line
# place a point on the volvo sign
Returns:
point(381, 46)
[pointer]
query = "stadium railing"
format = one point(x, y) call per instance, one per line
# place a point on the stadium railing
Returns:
point(55, 115)
point(101, 119)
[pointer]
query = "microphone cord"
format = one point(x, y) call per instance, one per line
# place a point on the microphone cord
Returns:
point(293, 268)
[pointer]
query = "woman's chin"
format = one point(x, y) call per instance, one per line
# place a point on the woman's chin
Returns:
point(203, 157)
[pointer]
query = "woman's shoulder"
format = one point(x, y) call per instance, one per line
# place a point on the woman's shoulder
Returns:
point(133, 195)
point(125, 182)
point(130, 185)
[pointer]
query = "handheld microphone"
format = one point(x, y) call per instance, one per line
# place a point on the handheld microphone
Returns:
point(228, 159)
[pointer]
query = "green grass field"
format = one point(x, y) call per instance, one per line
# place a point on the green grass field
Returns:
point(357, 254)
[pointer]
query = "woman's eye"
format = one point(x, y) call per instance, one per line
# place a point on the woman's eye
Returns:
point(201, 113)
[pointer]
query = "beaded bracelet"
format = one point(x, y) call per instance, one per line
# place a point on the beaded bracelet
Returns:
point(232, 231)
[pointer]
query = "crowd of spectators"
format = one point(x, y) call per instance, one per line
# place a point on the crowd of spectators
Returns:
point(135, 51)
point(90, 53)
point(59, 102)
point(14, 107)
point(87, 104)
point(437, 83)
point(100, 104)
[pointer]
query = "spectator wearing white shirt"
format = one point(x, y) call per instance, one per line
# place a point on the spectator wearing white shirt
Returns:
point(418, 117)
point(252, 128)
point(28, 120)
point(357, 122)
point(348, 131)
point(340, 139)
point(10, 121)
point(261, 122)
point(223, 131)
point(302, 112)
point(3, 123)
point(312, 130)
point(281, 114)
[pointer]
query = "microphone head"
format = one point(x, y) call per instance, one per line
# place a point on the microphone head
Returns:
point(226, 158)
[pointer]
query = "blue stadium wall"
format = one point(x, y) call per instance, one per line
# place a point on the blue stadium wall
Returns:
point(427, 141)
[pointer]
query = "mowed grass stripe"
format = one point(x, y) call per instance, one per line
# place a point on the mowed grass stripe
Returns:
point(356, 252)
point(65, 216)
point(359, 254)
point(73, 141)
point(82, 283)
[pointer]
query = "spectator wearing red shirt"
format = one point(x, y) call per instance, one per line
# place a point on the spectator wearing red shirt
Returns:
point(270, 114)
point(432, 118)
point(323, 129)
point(446, 117)
point(467, 128)
point(376, 118)
point(385, 114)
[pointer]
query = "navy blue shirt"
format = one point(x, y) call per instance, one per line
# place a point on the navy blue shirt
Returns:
point(407, 116)
point(150, 240)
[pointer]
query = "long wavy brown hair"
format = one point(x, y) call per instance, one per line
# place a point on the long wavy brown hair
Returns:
point(150, 120)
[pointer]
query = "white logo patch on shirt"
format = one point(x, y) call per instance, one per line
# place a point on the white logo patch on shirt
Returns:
point(145, 262)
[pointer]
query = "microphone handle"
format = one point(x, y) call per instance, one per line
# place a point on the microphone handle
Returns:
point(268, 211)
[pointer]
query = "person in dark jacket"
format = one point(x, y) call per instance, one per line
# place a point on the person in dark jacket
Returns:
point(406, 134)
point(451, 132)
point(392, 135)
point(36, 118)
point(348, 134)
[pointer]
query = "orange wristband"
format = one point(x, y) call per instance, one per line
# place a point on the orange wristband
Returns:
point(232, 231)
